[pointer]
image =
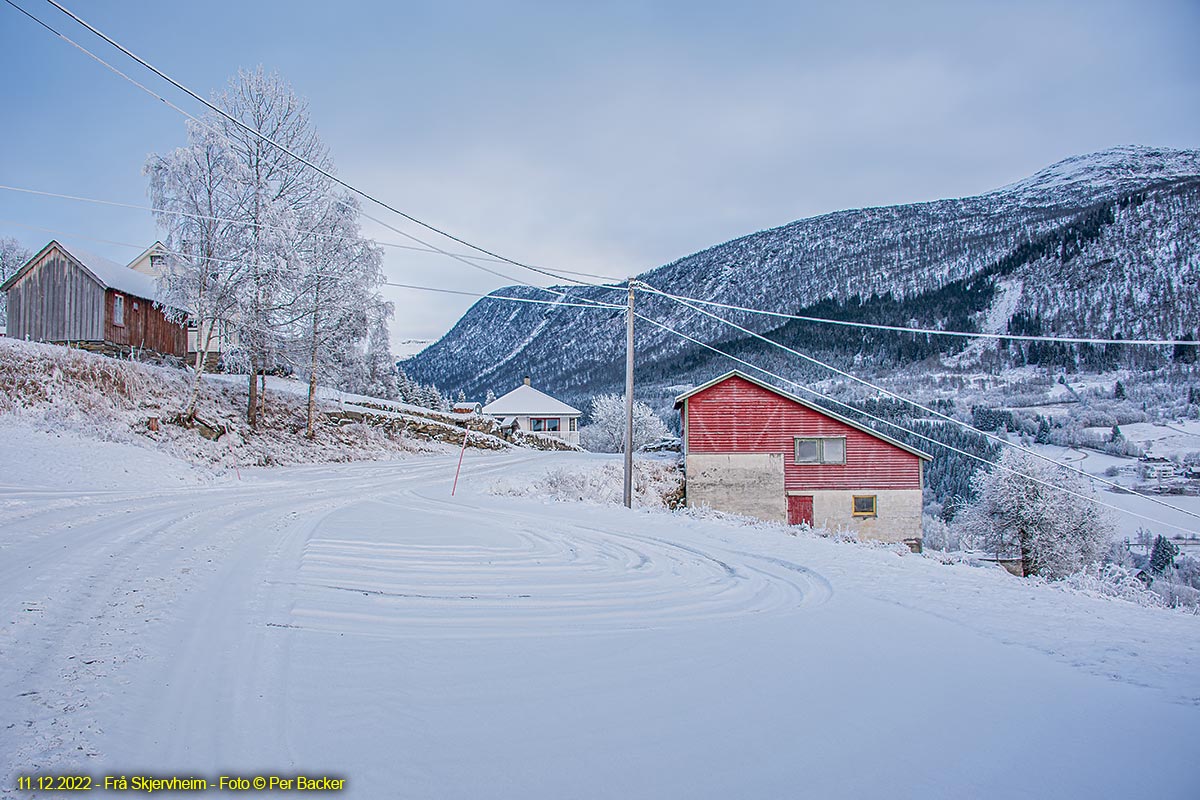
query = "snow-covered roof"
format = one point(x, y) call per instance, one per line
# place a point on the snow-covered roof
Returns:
point(528, 401)
point(113, 275)
point(108, 274)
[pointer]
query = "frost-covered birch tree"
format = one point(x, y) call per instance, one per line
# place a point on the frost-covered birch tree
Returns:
point(1015, 516)
point(198, 193)
point(605, 433)
point(282, 196)
point(339, 274)
point(12, 257)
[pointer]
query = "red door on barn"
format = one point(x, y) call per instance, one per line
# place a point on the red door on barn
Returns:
point(800, 509)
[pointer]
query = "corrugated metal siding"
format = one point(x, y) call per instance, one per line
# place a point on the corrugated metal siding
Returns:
point(735, 416)
point(56, 301)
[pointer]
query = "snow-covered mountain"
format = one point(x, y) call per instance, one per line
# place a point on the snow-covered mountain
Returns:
point(407, 348)
point(1107, 243)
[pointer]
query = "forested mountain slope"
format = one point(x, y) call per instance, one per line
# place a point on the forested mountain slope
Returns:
point(1102, 244)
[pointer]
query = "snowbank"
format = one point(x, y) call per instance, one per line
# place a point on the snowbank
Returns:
point(657, 483)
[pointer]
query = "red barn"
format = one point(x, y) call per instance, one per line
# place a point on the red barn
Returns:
point(753, 449)
point(77, 298)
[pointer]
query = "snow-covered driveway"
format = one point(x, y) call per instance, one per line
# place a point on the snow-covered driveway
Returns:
point(355, 620)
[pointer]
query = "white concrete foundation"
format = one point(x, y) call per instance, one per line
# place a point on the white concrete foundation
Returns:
point(738, 483)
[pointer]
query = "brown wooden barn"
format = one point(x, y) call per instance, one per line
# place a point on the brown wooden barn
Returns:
point(753, 449)
point(74, 297)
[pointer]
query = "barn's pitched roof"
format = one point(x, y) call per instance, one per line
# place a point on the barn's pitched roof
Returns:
point(108, 274)
point(528, 401)
point(806, 403)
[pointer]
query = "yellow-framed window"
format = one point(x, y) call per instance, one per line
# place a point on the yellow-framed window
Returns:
point(865, 505)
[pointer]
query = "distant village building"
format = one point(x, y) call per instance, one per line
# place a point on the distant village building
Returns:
point(152, 263)
point(752, 449)
point(527, 409)
point(1156, 468)
point(74, 297)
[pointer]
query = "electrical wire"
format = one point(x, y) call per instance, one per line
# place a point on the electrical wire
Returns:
point(316, 168)
point(244, 223)
point(593, 304)
point(210, 127)
point(915, 404)
point(921, 436)
point(933, 331)
point(490, 253)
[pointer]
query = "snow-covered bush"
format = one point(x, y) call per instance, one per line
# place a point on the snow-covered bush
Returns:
point(938, 534)
point(1020, 512)
point(1112, 580)
point(606, 432)
point(657, 483)
point(1175, 594)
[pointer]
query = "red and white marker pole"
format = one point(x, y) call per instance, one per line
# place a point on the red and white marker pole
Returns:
point(461, 453)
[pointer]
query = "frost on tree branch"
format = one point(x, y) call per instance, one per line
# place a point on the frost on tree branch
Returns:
point(1053, 533)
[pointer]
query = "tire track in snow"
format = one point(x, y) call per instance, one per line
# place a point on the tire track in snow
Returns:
point(506, 572)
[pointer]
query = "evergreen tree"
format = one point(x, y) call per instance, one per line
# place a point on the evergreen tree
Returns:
point(1116, 435)
point(1162, 556)
point(1119, 391)
point(1043, 431)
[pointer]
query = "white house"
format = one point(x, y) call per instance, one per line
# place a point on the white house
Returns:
point(152, 262)
point(536, 412)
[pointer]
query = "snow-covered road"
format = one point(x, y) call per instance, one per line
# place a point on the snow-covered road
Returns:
point(355, 620)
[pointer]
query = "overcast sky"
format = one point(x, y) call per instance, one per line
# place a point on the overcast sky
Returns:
point(604, 137)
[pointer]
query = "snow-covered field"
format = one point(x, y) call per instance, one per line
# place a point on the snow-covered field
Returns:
point(356, 620)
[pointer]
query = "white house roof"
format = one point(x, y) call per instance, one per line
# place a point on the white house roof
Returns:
point(528, 401)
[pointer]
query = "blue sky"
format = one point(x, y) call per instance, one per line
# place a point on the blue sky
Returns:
point(605, 137)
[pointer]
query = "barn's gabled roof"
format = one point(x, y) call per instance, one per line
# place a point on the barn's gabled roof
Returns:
point(806, 403)
point(108, 274)
point(528, 401)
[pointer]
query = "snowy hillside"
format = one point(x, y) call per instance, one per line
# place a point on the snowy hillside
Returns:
point(1128, 213)
point(80, 394)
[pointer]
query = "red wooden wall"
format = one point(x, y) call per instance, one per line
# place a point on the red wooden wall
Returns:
point(145, 327)
point(737, 416)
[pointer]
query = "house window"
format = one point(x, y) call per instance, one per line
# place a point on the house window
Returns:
point(118, 309)
point(821, 450)
point(544, 424)
point(864, 505)
point(573, 424)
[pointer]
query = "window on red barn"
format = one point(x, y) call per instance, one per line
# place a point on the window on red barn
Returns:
point(820, 449)
point(864, 505)
point(118, 309)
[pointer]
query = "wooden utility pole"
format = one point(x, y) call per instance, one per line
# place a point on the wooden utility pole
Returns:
point(629, 400)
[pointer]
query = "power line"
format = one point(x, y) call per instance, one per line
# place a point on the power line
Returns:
point(924, 408)
point(560, 303)
point(222, 134)
point(910, 432)
point(929, 331)
point(459, 240)
point(244, 223)
point(325, 173)
point(593, 304)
